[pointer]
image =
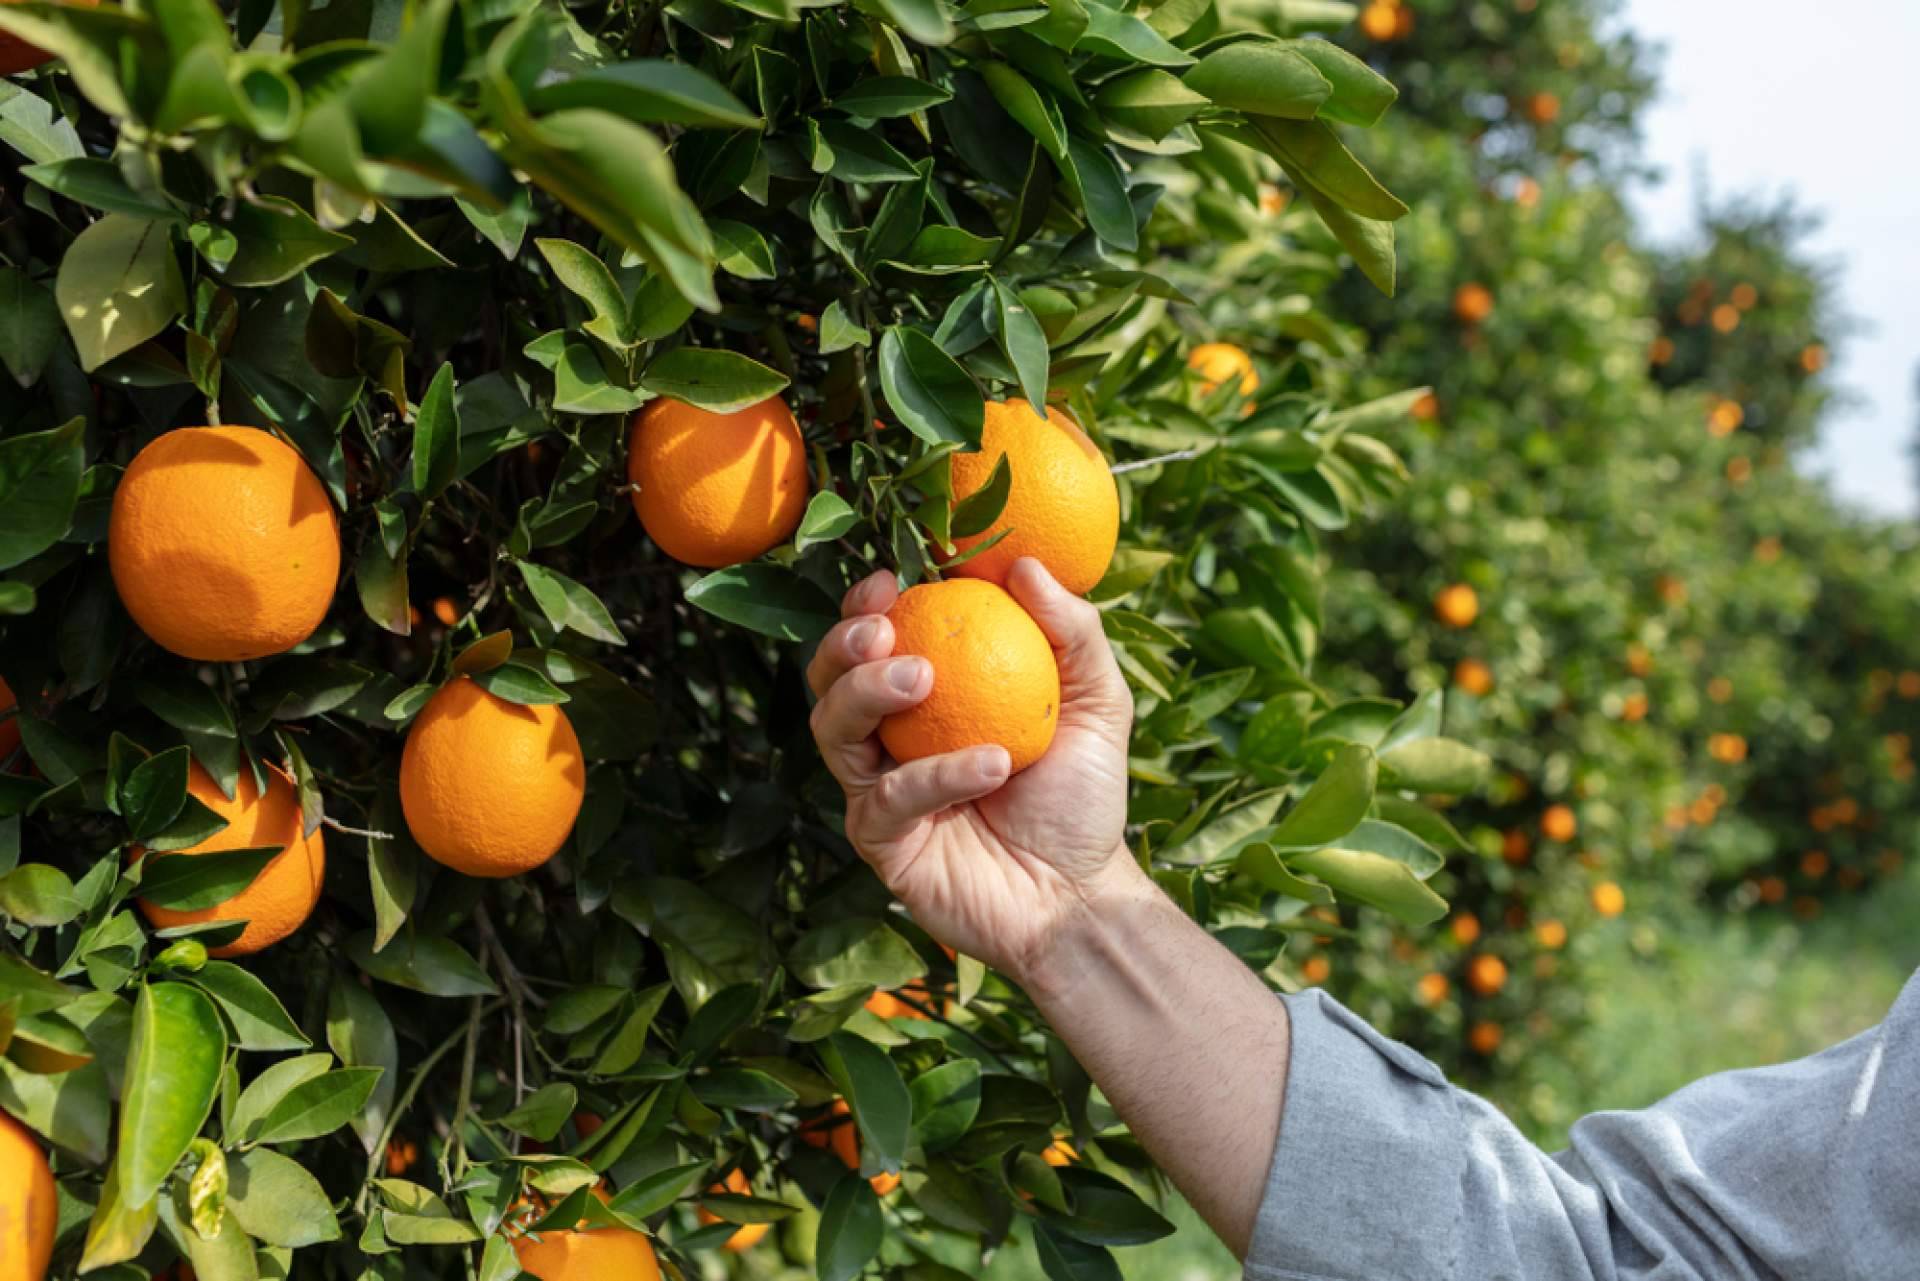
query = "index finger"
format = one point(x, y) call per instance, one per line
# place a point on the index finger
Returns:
point(873, 594)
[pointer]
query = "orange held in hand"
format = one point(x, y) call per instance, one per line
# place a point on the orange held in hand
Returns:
point(490, 787)
point(282, 896)
point(223, 544)
point(749, 1234)
point(1219, 363)
point(29, 1204)
point(717, 489)
point(1063, 508)
point(994, 675)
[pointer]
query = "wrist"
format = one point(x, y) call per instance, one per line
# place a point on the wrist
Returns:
point(1087, 930)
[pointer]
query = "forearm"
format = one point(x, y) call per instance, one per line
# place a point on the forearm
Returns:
point(1184, 1040)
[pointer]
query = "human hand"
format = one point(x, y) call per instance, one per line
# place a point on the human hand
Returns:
point(992, 866)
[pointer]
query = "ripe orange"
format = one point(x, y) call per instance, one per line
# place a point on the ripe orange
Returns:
point(1273, 202)
point(281, 898)
point(1378, 21)
point(1472, 303)
point(1059, 1154)
point(1634, 708)
point(1486, 974)
point(835, 1130)
point(9, 727)
point(1515, 847)
point(716, 489)
point(489, 787)
point(1432, 988)
point(29, 1204)
point(1473, 676)
point(888, 1006)
point(1485, 1037)
point(1426, 408)
point(1063, 508)
point(1551, 935)
point(223, 544)
point(401, 1154)
point(1558, 823)
point(1219, 363)
point(1726, 318)
point(1465, 929)
point(1543, 108)
point(16, 55)
point(588, 1254)
point(446, 611)
point(1725, 418)
point(1317, 969)
point(749, 1234)
point(1813, 358)
point(1526, 193)
point(1456, 606)
point(994, 675)
point(1609, 899)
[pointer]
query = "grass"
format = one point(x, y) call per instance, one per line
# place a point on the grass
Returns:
point(1686, 996)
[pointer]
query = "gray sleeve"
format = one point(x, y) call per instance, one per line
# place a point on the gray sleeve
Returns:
point(1384, 1172)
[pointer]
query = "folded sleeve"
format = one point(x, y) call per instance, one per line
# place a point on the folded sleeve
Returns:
point(1385, 1172)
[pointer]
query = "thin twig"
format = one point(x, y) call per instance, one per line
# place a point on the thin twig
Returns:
point(399, 1109)
point(338, 826)
point(1177, 456)
point(464, 1101)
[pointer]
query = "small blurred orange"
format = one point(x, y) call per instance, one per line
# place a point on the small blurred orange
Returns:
point(1432, 988)
point(1559, 824)
point(1514, 846)
point(1639, 661)
point(1485, 1037)
point(1772, 889)
point(1813, 358)
point(1551, 935)
point(1725, 417)
point(1719, 689)
point(1426, 408)
point(1317, 969)
point(1814, 864)
point(1745, 296)
point(1661, 351)
point(1634, 707)
point(445, 610)
point(1465, 929)
point(749, 1234)
point(1473, 676)
point(1486, 974)
point(1609, 899)
point(1726, 318)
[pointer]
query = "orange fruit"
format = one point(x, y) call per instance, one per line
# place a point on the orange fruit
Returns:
point(1726, 318)
point(1515, 846)
point(1745, 296)
point(1634, 708)
point(16, 56)
point(587, 1124)
point(836, 1131)
point(223, 544)
point(446, 611)
point(994, 675)
point(1426, 408)
point(1486, 974)
point(1273, 201)
point(1063, 508)
point(1526, 193)
point(9, 727)
point(588, 1254)
point(1485, 1037)
point(1456, 606)
point(489, 787)
point(1813, 358)
point(1219, 363)
point(1661, 352)
point(401, 1154)
point(1060, 1153)
point(1472, 303)
point(1609, 899)
point(750, 1233)
point(282, 896)
point(1465, 929)
point(1432, 988)
point(1317, 969)
point(1543, 108)
point(1551, 935)
point(1378, 21)
point(1558, 823)
point(716, 489)
point(1473, 676)
point(888, 1006)
point(29, 1204)
point(1725, 418)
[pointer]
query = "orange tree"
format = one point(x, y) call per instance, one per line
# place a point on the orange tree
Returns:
point(492, 911)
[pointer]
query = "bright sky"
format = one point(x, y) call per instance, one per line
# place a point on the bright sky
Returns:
point(1767, 96)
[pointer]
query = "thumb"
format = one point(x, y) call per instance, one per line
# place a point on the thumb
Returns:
point(1090, 679)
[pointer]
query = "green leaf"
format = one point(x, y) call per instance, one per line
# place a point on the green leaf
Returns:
point(436, 437)
point(242, 1119)
point(714, 379)
point(1360, 96)
point(946, 1099)
point(1119, 34)
point(588, 278)
point(1024, 342)
point(1063, 1258)
point(886, 97)
point(857, 950)
point(851, 1228)
point(1373, 879)
point(1369, 240)
point(39, 485)
point(276, 240)
point(98, 184)
point(73, 1109)
point(1371, 836)
point(1263, 78)
point(878, 1097)
point(318, 1105)
point(173, 1073)
point(259, 1021)
point(39, 895)
point(119, 1229)
point(927, 389)
point(742, 251)
point(649, 91)
point(435, 966)
point(923, 21)
point(359, 1032)
point(1150, 102)
point(155, 792)
point(1436, 765)
point(838, 332)
point(1260, 863)
point(827, 518)
point(118, 286)
point(195, 882)
point(520, 684)
point(1309, 149)
point(541, 1114)
point(277, 1202)
point(976, 513)
point(766, 598)
point(568, 605)
point(29, 326)
point(1337, 801)
point(1103, 193)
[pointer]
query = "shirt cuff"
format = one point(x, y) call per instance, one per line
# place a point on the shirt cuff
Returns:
point(1366, 1181)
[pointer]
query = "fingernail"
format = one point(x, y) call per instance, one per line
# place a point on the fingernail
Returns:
point(905, 674)
point(860, 636)
point(993, 763)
